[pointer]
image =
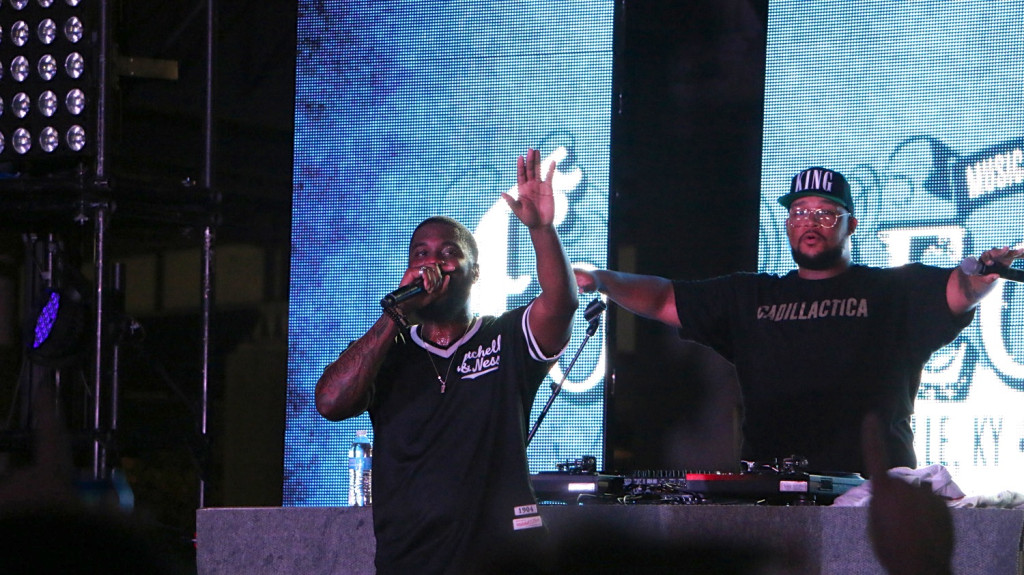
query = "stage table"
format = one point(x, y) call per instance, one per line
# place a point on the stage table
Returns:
point(816, 540)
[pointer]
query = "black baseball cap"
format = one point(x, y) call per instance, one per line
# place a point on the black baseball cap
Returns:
point(821, 182)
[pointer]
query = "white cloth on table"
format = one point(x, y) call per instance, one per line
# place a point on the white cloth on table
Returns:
point(942, 484)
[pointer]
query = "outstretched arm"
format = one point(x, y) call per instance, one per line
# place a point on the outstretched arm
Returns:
point(553, 310)
point(649, 296)
point(964, 292)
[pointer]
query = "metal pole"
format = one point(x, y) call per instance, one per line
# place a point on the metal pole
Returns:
point(99, 463)
point(207, 179)
point(118, 288)
point(102, 93)
point(49, 281)
point(98, 451)
point(207, 307)
point(209, 239)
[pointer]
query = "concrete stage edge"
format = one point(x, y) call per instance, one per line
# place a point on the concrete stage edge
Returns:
point(808, 540)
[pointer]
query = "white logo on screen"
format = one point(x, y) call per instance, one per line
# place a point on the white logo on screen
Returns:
point(495, 285)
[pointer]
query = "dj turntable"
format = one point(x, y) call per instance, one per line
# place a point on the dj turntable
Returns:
point(781, 482)
point(797, 486)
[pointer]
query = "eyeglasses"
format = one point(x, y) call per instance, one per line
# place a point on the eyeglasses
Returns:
point(822, 217)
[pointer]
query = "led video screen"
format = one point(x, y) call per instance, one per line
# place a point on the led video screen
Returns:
point(920, 105)
point(406, 110)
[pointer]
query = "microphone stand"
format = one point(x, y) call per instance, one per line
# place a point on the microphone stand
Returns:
point(593, 315)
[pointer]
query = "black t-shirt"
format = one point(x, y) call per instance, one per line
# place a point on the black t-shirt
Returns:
point(814, 356)
point(450, 474)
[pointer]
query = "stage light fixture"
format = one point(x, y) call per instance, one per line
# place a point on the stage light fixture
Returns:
point(59, 328)
point(47, 317)
point(49, 58)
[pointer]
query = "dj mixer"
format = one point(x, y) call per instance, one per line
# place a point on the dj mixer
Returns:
point(781, 482)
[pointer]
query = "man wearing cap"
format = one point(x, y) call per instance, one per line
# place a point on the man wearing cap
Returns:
point(818, 348)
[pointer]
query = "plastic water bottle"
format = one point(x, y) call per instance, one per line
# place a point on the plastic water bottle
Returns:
point(360, 471)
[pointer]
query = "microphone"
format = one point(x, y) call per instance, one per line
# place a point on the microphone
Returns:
point(593, 315)
point(974, 267)
point(401, 294)
point(594, 309)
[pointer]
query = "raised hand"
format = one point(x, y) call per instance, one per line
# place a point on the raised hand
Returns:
point(535, 204)
point(1003, 256)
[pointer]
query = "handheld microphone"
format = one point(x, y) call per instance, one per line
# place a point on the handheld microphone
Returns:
point(974, 267)
point(594, 309)
point(401, 294)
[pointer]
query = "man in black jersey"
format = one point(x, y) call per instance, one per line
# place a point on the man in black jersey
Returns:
point(817, 349)
point(449, 395)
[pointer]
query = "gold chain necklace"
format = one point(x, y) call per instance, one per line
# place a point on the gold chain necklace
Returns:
point(442, 380)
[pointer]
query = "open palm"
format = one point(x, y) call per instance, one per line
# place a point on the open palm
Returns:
point(535, 205)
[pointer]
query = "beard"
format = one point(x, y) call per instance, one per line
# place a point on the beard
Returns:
point(440, 310)
point(822, 261)
point(452, 305)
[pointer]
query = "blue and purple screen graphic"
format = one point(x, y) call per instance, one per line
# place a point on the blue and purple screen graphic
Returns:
point(407, 109)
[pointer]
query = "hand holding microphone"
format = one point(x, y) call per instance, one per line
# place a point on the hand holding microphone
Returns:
point(976, 267)
point(426, 277)
point(401, 294)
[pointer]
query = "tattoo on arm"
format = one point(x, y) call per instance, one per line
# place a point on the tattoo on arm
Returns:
point(972, 294)
point(345, 386)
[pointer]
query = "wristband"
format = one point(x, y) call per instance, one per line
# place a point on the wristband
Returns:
point(396, 316)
